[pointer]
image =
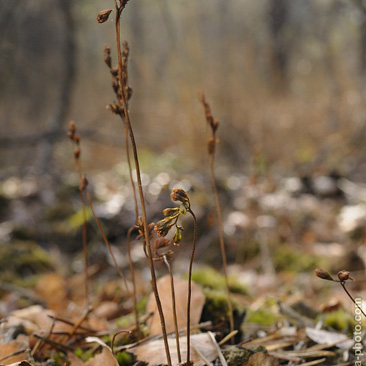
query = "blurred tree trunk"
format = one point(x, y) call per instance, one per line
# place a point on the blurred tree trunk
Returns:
point(55, 124)
point(278, 16)
point(362, 7)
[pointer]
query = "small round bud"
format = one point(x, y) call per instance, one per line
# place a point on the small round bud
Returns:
point(344, 276)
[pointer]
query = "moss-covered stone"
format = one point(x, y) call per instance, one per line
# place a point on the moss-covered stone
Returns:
point(288, 259)
point(237, 355)
point(216, 311)
point(124, 358)
point(23, 259)
point(340, 320)
point(262, 316)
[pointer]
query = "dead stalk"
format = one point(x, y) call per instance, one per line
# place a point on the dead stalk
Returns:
point(222, 244)
point(133, 278)
point(139, 183)
point(174, 307)
point(76, 141)
point(214, 124)
point(190, 286)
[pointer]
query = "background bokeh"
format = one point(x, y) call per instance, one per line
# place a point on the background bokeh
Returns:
point(285, 79)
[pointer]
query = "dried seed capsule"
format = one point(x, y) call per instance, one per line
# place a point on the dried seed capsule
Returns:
point(179, 194)
point(344, 276)
point(103, 16)
point(107, 56)
point(77, 152)
point(323, 274)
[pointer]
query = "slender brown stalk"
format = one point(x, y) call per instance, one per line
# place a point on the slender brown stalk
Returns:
point(222, 244)
point(174, 307)
point(115, 335)
point(343, 283)
point(214, 124)
point(76, 140)
point(123, 278)
point(85, 248)
point(190, 286)
point(139, 183)
point(128, 238)
point(133, 278)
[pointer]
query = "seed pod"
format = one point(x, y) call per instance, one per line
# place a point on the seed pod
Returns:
point(107, 56)
point(177, 237)
point(344, 276)
point(214, 125)
point(70, 134)
point(323, 274)
point(103, 16)
point(72, 126)
point(77, 152)
point(179, 194)
point(171, 211)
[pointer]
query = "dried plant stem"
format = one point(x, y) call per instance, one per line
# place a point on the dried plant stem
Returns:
point(84, 232)
point(221, 238)
point(132, 269)
point(190, 286)
point(351, 297)
point(115, 335)
point(133, 278)
point(174, 308)
point(123, 278)
point(130, 169)
point(79, 322)
point(139, 184)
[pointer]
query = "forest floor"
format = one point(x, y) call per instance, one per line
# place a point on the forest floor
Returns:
point(276, 235)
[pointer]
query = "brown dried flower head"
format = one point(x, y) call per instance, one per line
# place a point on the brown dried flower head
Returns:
point(103, 16)
point(323, 274)
point(179, 194)
point(163, 226)
point(344, 276)
point(171, 211)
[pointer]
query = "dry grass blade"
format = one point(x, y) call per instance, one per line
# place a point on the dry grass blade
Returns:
point(217, 347)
